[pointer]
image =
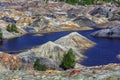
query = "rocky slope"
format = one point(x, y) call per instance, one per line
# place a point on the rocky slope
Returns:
point(56, 50)
point(108, 33)
point(75, 40)
point(33, 16)
point(7, 61)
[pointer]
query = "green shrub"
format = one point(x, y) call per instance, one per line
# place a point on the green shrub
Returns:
point(68, 60)
point(12, 28)
point(86, 2)
point(1, 35)
point(38, 66)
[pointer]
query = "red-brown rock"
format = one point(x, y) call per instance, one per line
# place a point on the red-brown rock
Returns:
point(11, 62)
point(73, 72)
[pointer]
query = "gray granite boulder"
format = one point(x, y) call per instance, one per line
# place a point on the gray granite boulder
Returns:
point(108, 33)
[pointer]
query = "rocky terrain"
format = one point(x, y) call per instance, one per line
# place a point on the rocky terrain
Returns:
point(23, 62)
point(108, 33)
point(106, 72)
point(56, 50)
point(36, 16)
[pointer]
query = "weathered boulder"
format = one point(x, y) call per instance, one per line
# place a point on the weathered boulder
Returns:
point(108, 33)
point(102, 11)
point(83, 22)
point(116, 15)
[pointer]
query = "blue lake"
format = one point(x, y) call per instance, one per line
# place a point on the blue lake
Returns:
point(104, 52)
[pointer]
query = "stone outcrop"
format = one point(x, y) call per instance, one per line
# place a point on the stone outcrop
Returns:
point(76, 41)
point(108, 33)
point(29, 58)
point(101, 11)
point(84, 22)
point(116, 15)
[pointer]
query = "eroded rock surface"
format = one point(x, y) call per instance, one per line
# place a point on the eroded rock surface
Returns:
point(56, 50)
point(113, 32)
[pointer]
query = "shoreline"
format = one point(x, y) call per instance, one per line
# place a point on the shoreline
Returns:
point(41, 33)
point(44, 32)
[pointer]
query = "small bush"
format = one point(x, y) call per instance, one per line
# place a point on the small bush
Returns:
point(38, 66)
point(12, 28)
point(1, 35)
point(68, 60)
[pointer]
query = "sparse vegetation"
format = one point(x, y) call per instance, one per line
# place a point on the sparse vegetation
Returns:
point(1, 35)
point(38, 66)
point(68, 60)
point(86, 2)
point(12, 28)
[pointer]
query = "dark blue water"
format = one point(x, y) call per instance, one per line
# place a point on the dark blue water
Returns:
point(104, 52)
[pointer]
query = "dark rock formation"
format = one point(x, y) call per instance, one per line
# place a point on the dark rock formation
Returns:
point(84, 22)
point(6, 4)
point(103, 12)
point(72, 13)
point(29, 29)
point(41, 23)
point(116, 16)
point(51, 16)
point(9, 20)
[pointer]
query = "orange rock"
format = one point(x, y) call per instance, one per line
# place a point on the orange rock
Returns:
point(52, 71)
point(10, 61)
